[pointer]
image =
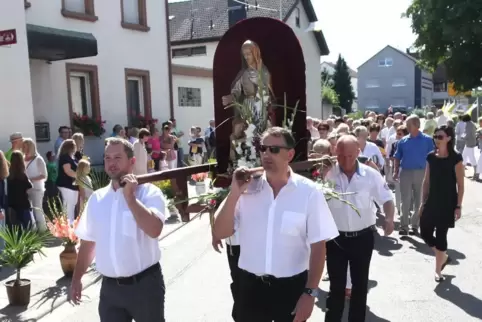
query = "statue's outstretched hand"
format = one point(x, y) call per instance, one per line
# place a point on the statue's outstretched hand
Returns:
point(228, 99)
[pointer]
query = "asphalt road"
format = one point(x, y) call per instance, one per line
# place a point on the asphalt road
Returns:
point(402, 287)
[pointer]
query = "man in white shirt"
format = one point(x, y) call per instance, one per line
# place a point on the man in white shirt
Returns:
point(282, 242)
point(369, 149)
point(441, 118)
point(120, 227)
point(354, 246)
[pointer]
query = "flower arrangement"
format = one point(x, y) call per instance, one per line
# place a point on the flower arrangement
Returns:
point(88, 125)
point(60, 228)
point(140, 121)
point(199, 177)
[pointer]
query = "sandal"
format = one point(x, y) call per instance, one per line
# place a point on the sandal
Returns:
point(439, 279)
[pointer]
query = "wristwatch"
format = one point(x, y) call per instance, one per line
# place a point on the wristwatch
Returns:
point(457, 207)
point(314, 292)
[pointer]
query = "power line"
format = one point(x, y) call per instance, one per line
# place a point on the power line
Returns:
point(255, 6)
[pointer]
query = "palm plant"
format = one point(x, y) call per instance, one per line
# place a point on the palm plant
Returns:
point(20, 247)
point(100, 179)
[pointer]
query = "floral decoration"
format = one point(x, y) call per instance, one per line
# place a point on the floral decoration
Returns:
point(140, 121)
point(60, 228)
point(199, 177)
point(88, 125)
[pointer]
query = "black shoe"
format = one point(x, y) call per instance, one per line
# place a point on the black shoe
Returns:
point(403, 232)
point(413, 232)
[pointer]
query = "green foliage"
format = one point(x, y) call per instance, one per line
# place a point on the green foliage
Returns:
point(326, 78)
point(355, 115)
point(419, 112)
point(166, 188)
point(449, 32)
point(329, 95)
point(56, 209)
point(88, 125)
point(100, 179)
point(342, 84)
point(20, 246)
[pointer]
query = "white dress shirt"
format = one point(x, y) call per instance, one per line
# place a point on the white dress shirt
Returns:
point(275, 234)
point(366, 186)
point(441, 120)
point(122, 248)
point(371, 150)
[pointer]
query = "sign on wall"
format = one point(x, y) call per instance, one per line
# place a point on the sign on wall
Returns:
point(8, 37)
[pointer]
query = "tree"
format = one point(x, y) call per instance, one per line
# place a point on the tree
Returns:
point(449, 32)
point(342, 84)
point(326, 77)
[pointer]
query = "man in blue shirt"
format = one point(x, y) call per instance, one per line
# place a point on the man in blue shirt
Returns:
point(410, 162)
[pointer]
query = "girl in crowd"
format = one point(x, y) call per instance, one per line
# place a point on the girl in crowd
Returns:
point(167, 142)
point(36, 170)
point(140, 152)
point(79, 146)
point(18, 187)
point(442, 195)
point(84, 182)
point(66, 177)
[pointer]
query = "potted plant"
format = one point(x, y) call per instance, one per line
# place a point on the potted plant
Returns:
point(169, 194)
point(199, 179)
point(60, 228)
point(20, 247)
point(88, 125)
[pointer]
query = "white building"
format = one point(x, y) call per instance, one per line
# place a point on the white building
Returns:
point(105, 59)
point(330, 69)
point(196, 28)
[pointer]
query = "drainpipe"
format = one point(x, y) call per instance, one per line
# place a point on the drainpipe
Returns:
point(169, 64)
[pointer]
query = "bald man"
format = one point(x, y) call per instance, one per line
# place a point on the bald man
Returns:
point(354, 245)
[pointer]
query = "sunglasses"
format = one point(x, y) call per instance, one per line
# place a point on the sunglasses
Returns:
point(273, 149)
point(438, 137)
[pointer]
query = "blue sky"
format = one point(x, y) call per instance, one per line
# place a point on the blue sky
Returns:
point(358, 29)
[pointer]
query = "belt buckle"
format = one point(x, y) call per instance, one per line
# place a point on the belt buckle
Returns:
point(352, 234)
point(265, 279)
point(132, 278)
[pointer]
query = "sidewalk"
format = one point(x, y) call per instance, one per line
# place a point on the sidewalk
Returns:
point(49, 286)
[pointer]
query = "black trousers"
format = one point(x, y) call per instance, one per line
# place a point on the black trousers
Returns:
point(141, 299)
point(339, 252)
point(233, 257)
point(269, 299)
point(427, 229)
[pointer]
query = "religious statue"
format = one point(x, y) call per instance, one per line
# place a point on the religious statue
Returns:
point(251, 91)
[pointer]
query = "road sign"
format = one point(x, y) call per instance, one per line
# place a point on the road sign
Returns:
point(8, 37)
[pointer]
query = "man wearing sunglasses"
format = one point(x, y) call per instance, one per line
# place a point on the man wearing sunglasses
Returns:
point(282, 229)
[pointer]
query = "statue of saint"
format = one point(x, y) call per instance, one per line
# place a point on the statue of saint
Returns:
point(251, 89)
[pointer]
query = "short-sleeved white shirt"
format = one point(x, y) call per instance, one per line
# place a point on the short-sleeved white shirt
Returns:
point(122, 248)
point(366, 186)
point(275, 234)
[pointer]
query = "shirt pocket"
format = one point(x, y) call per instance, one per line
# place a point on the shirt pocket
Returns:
point(129, 225)
point(361, 200)
point(293, 223)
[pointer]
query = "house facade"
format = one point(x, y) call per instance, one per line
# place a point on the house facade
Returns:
point(195, 30)
point(108, 60)
point(330, 69)
point(392, 78)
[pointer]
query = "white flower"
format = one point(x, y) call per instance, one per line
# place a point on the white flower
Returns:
point(239, 150)
point(250, 131)
point(242, 163)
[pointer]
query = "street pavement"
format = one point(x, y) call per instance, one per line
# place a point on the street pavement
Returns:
point(402, 286)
